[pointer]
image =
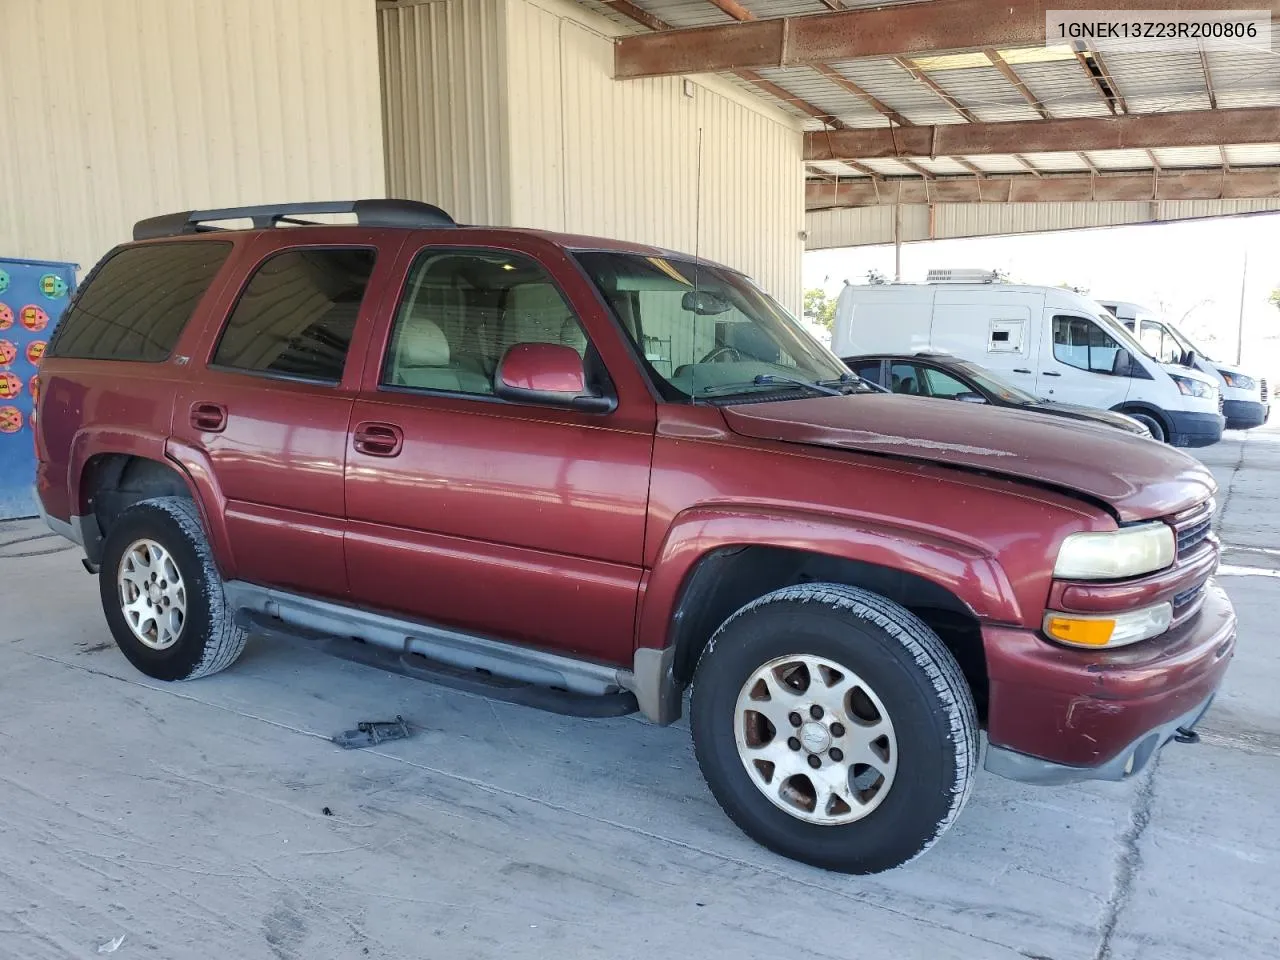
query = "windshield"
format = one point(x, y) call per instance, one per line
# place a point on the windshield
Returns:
point(1184, 341)
point(992, 384)
point(706, 332)
point(1119, 332)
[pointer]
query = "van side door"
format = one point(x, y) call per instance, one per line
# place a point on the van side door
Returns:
point(1081, 363)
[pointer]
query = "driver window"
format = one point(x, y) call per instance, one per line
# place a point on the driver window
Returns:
point(462, 310)
point(1160, 343)
point(1079, 342)
point(943, 384)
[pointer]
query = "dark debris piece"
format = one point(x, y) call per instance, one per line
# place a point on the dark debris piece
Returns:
point(370, 733)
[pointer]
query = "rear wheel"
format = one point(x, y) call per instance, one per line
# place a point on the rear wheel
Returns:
point(834, 727)
point(162, 594)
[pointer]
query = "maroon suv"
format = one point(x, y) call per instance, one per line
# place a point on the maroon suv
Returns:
point(591, 476)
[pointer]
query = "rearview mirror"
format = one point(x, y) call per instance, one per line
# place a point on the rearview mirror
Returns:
point(548, 373)
point(704, 303)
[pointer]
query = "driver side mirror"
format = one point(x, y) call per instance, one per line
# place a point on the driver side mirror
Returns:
point(1188, 358)
point(547, 373)
point(970, 398)
point(1122, 365)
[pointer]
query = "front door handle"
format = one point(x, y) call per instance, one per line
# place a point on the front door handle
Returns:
point(1051, 373)
point(1021, 370)
point(379, 439)
point(209, 417)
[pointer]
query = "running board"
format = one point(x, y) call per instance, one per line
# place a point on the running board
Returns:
point(492, 668)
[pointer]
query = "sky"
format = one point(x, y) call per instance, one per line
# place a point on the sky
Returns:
point(1189, 271)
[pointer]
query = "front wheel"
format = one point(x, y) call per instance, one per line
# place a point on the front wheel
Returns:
point(1151, 423)
point(834, 727)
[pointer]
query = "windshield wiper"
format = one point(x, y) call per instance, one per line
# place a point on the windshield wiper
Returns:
point(767, 379)
point(853, 380)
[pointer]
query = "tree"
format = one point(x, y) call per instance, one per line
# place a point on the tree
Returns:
point(1274, 299)
point(819, 308)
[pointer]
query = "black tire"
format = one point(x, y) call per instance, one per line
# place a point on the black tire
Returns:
point(914, 675)
point(208, 639)
point(1152, 423)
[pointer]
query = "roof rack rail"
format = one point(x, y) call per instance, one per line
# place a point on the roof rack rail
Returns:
point(369, 213)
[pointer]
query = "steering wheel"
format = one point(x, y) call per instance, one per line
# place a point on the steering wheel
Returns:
point(719, 354)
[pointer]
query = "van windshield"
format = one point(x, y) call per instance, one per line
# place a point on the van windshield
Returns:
point(706, 332)
point(1122, 334)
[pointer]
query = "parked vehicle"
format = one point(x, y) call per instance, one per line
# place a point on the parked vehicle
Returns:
point(1245, 398)
point(945, 377)
point(588, 475)
point(1050, 342)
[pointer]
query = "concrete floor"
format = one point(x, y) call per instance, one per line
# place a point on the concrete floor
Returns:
point(189, 819)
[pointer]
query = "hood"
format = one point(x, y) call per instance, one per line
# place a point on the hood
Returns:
point(1190, 373)
point(1092, 414)
point(1139, 479)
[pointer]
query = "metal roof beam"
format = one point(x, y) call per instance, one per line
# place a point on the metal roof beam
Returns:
point(1194, 128)
point(920, 28)
point(1253, 184)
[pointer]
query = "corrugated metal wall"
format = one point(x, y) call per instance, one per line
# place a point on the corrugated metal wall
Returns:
point(864, 226)
point(506, 112)
point(114, 111)
point(443, 83)
point(594, 155)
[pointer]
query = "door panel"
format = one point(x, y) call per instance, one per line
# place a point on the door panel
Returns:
point(516, 521)
point(1076, 361)
point(270, 397)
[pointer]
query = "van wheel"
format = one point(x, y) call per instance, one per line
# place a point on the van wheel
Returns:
point(162, 594)
point(1151, 423)
point(834, 727)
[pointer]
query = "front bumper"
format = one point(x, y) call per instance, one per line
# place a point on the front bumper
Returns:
point(1245, 414)
point(1059, 715)
point(1194, 429)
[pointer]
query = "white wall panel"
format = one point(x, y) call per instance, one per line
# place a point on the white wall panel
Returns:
point(115, 110)
point(593, 155)
point(444, 82)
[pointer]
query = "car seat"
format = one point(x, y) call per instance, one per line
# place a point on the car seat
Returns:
point(423, 360)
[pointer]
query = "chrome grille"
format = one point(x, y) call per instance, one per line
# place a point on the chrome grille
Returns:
point(1187, 597)
point(1262, 385)
point(1222, 403)
point(1193, 527)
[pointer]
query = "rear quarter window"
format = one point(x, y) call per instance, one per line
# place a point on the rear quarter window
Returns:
point(137, 302)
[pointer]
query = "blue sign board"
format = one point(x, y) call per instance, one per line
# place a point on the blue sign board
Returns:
point(33, 294)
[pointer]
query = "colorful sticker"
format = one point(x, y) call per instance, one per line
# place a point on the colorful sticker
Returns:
point(8, 352)
point(4, 281)
point(6, 315)
point(10, 419)
point(53, 286)
point(35, 352)
point(33, 318)
point(10, 386)
point(33, 386)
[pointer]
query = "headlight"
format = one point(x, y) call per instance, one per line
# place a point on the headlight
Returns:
point(1110, 629)
point(1115, 554)
point(1195, 388)
point(1238, 380)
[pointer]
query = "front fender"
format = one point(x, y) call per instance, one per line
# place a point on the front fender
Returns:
point(960, 567)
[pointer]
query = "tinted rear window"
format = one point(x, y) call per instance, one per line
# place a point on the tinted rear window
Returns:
point(136, 303)
point(297, 315)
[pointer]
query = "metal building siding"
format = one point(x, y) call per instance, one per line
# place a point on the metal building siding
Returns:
point(590, 154)
point(443, 82)
point(116, 111)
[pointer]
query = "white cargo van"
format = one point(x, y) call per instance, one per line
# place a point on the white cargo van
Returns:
point(1245, 402)
point(1051, 342)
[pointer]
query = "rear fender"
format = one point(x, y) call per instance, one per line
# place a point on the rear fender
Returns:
point(959, 567)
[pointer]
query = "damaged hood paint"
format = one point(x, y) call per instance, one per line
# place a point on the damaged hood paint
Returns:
point(1138, 478)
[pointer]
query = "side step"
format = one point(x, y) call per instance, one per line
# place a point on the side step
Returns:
point(472, 680)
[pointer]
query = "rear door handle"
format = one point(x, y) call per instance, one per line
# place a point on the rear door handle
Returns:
point(379, 439)
point(1051, 373)
point(1021, 370)
point(209, 417)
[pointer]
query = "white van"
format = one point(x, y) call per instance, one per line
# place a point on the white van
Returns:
point(1245, 402)
point(1051, 342)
